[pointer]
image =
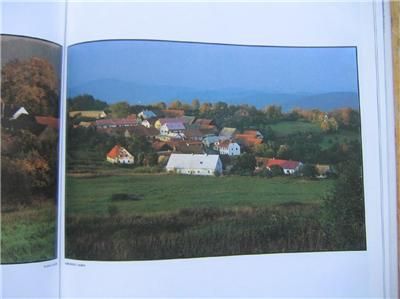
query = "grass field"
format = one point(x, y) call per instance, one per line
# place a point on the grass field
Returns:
point(284, 128)
point(186, 216)
point(341, 137)
point(28, 233)
point(165, 193)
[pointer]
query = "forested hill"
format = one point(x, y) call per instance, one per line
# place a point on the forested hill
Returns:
point(112, 91)
point(23, 48)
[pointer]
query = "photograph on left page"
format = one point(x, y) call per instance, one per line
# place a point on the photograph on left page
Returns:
point(30, 101)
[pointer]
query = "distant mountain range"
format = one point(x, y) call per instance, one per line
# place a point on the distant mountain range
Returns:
point(111, 91)
point(23, 48)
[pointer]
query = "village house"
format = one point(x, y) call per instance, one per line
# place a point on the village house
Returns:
point(253, 133)
point(85, 124)
point(119, 155)
point(188, 120)
point(116, 123)
point(97, 114)
point(146, 123)
point(227, 133)
point(172, 129)
point(18, 112)
point(289, 167)
point(194, 164)
point(248, 141)
point(141, 131)
point(323, 171)
point(163, 121)
point(147, 114)
point(187, 147)
point(209, 140)
point(204, 122)
point(227, 147)
point(193, 134)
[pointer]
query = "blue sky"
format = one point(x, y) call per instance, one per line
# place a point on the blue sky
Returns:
point(215, 67)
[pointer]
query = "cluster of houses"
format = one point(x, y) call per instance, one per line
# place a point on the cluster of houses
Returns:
point(190, 145)
point(16, 118)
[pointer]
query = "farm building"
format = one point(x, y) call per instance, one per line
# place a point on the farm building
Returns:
point(188, 147)
point(193, 134)
point(116, 123)
point(147, 114)
point(288, 166)
point(172, 128)
point(228, 147)
point(119, 155)
point(194, 164)
point(163, 121)
point(97, 114)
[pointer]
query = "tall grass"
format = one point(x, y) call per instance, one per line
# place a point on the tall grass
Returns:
point(197, 232)
point(28, 233)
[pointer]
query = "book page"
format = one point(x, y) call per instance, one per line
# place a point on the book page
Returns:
point(31, 66)
point(225, 149)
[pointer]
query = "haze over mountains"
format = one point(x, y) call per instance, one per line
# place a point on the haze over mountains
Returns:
point(111, 91)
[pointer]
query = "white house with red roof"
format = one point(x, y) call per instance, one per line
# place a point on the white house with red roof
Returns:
point(288, 166)
point(119, 155)
point(227, 147)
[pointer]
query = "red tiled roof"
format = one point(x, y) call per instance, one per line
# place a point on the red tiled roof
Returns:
point(248, 140)
point(286, 164)
point(114, 152)
point(50, 121)
point(203, 122)
point(251, 132)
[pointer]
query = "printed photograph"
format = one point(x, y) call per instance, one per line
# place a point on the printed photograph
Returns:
point(30, 88)
point(187, 150)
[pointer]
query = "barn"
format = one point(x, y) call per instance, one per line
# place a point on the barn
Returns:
point(194, 164)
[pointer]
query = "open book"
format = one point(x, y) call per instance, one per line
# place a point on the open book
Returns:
point(197, 149)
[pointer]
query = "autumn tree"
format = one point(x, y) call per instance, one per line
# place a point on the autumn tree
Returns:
point(32, 84)
point(273, 112)
point(120, 109)
point(195, 104)
point(176, 104)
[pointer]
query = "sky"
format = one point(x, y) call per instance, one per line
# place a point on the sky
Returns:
point(215, 67)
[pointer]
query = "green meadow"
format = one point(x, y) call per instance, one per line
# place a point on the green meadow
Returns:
point(167, 193)
point(28, 233)
point(177, 216)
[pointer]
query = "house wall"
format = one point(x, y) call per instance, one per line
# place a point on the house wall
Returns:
point(192, 171)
